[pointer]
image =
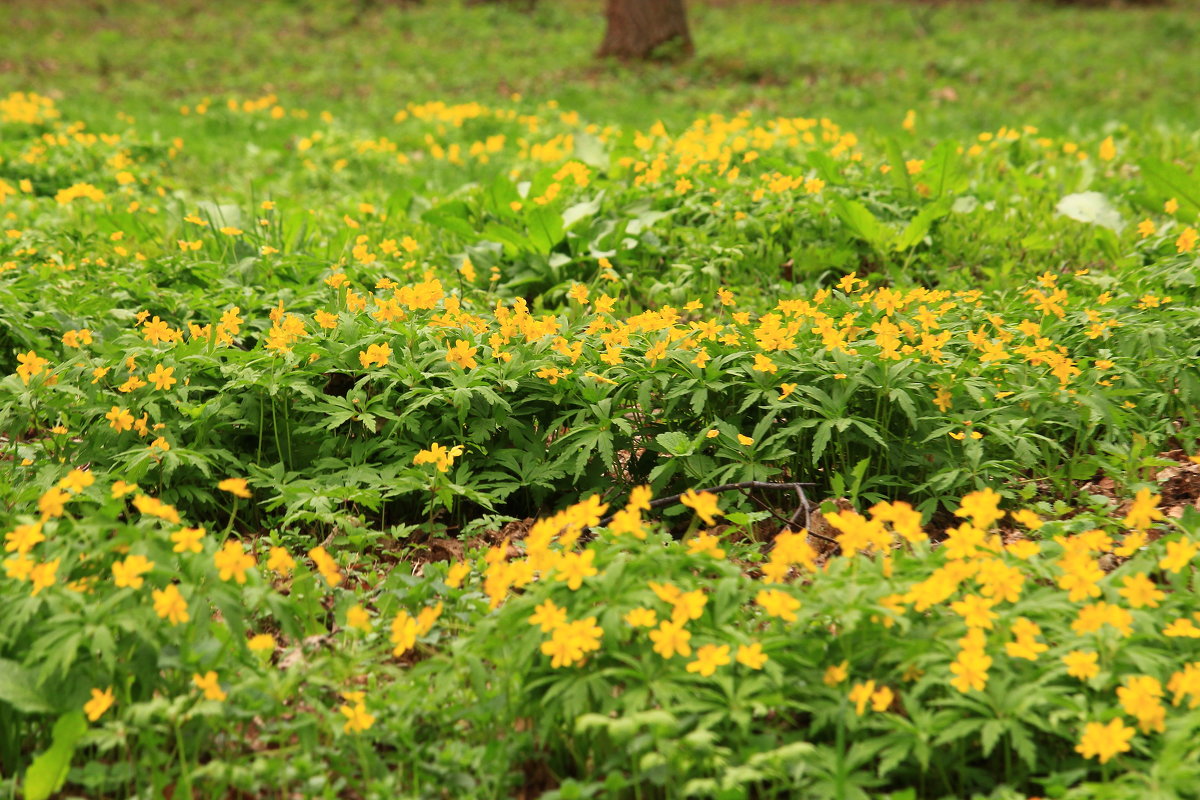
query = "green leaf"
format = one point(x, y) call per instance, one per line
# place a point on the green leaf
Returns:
point(48, 772)
point(580, 211)
point(857, 218)
point(944, 170)
point(1169, 181)
point(920, 225)
point(676, 443)
point(821, 439)
point(18, 688)
point(590, 150)
point(545, 229)
point(899, 171)
point(1092, 208)
point(454, 217)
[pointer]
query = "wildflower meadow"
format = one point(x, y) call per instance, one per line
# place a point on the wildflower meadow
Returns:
point(396, 401)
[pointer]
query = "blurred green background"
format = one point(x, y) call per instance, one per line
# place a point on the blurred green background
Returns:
point(964, 67)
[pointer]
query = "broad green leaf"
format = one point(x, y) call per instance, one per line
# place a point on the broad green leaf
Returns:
point(1168, 181)
point(920, 225)
point(856, 217)
point(676, 443)
point(18, 688)
point(48, 772)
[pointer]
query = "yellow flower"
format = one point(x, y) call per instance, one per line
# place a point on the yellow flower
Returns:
point(1144, 510)
point(970, 670)
point(129, 572)
point(101, 701)
point(574, 567)
point(1182, 628)
point(703, 503)
point(751, 656)
point(1140, 591)
point(119, 419)
point(1026, 645)
point(1082, 664)
point(43, 575)
point(439, 456)
point(745, 441)
point(52, 503)
point(357, 718)
point(457, 573)
point(764, 364)
point(571, 642)
point(187, 540)
point(76, 481)
point(1095, 616)
point(377, 354)
point(882, 699)
point(836, 673)
point(30, 364)
point(982, 508)
point(462, 354)
point(1179, 554)
point(210, 685)
point(860, 695)
point(162, 378)
point(705, 543)
point(1028, 518)
point(976, 611)
point(1108, 150)
point(778, 604)
point(1140, 698)
point(1186, 683)
point(688, 606)
point(641, 618)
point(708, 658)
point(326, 565)
point(427, 617)
point(23, 538)
point(235, 486)
point(404, 633)
point(1104, 741)
point(359, 618)
point(548, 616)
point(1187, 240)
point(232, 561)
point(671, 638)
point(281, 561)
point(170, 605)
point(261, 643)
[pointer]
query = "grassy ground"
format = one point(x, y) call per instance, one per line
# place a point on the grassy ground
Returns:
point(963, 67)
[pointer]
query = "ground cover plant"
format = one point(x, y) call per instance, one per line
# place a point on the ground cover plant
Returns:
point(500, 446)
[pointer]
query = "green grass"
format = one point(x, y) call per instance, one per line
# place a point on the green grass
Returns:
point(964, 67)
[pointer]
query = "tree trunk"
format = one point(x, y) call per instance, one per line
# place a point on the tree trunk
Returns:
point(636, 28)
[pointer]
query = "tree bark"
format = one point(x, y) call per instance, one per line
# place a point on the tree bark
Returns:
point(636, 28)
